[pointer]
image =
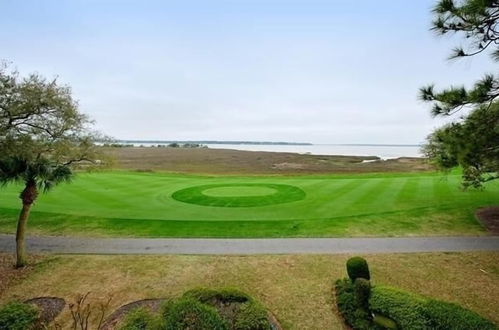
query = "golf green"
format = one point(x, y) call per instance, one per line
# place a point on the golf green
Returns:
point(120, 203)
point(239, 194)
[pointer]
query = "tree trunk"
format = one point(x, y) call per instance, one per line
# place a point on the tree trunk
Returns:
point(27, 196)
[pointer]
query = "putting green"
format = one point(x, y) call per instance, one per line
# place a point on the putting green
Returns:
point(239, 194)
point(118, 203)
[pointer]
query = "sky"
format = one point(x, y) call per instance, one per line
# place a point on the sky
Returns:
point(336, 71)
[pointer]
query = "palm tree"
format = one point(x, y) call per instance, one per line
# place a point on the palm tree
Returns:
point(36, 175)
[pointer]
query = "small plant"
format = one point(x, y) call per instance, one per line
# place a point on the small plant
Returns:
point(357, 267)
point(18, 316)
point(81, 311)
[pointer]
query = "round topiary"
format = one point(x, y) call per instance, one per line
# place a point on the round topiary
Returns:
point(188, 313)
point(362, 290)
point(18, 316)
point(357, 267)
point(238, 309)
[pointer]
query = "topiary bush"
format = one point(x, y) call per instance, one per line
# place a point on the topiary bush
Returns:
point(358, 267)
point(362, 290)
point(382, 307)
point(356, 317)
point(188, 313)
point(18, 316)
point(239, 310)
point(140, 319)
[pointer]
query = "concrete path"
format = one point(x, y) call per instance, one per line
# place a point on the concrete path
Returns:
point(79, 245)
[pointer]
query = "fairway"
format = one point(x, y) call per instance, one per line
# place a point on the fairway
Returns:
point(165, 205)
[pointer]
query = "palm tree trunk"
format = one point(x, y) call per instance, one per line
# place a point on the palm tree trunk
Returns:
point(27, 196)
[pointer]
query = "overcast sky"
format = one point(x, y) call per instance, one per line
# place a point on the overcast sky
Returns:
point(336, 71)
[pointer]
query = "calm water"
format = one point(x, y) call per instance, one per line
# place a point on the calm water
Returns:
point(382, 151)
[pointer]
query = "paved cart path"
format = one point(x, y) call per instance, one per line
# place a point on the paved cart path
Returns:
point(80, 245)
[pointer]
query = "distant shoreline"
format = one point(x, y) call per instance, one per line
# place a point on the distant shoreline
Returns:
point(265, 143)
point(216, 142)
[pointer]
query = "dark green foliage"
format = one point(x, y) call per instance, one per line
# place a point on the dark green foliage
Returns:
point(206, 295)
point(140, 319)
point(471, 144)
point(471, 141)
point(444, 315)
point(188, 313)
point(357, 267)
point(354, 315)
point(476, 21)
point(362, 289)
point(18, 316)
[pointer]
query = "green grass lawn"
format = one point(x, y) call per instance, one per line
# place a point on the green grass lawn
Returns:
point(141, 204)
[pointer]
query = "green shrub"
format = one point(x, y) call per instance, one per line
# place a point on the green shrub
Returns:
point(412, 311)
point(444, 315)
point(249, 315)
point(188, 313)
point(18, 316)
point(405, 308)
point(140, 319)
point(356, 317)
point(357, 267)
point(362, 290)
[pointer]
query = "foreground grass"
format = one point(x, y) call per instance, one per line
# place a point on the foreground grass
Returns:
point(141, 204)
point(296, 288)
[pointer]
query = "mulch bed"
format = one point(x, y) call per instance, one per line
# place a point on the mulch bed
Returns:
point(112, 320)
point(489, 217)
point(49, 307)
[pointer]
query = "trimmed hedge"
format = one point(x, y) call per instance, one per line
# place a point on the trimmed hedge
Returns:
point(412, 311)
point(357, 267)
point(18, 316)
point(405, 308)
point(444, 315)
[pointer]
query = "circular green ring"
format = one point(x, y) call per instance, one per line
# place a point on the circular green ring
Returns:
point(284, 194)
